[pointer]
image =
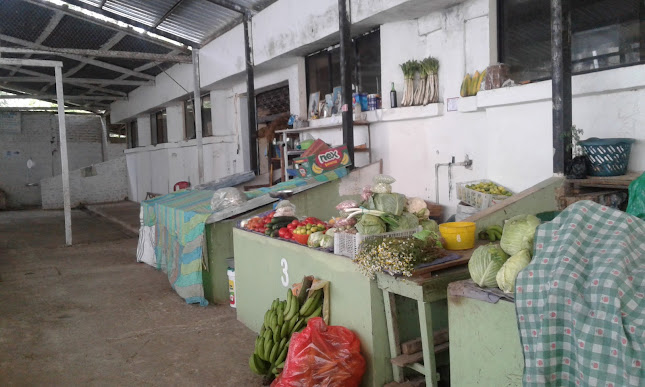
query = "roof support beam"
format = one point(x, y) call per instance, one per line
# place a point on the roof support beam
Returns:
point(250, 96)
point(53, 22)
point(100, 54)
point(67, 97)
point(80, 15)
point(77, 81)
point(231, 6)
point(79, 58)
point(165, 16)
point(106, 46)
point(38, 74)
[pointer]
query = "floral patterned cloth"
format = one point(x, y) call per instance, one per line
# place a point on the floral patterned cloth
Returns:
point(581, 304)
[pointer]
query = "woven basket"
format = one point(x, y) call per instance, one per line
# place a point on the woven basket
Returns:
point(607, 156)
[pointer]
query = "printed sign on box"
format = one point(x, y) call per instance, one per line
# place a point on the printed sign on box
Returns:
point(325, 161)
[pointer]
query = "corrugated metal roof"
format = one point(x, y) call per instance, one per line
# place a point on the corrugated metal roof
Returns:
point(41, 25)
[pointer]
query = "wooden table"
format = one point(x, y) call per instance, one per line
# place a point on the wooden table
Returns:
point(425, 286)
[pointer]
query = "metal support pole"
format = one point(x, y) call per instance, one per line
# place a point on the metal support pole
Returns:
point(104, 139)
point(561, 83)
point(60, 100)
point(346, 77)
point(197, 109)
point(250, 93)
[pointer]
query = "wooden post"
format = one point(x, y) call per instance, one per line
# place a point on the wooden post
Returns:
point(561, 83)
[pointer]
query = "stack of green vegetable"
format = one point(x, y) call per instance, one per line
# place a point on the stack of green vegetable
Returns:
point(491, 266)
point(280, 322)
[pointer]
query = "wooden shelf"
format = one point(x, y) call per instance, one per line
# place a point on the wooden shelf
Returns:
point(616, 182)
point(422, 275)
point(321, 127)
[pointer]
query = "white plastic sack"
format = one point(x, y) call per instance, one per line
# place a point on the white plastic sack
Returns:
point(146, 246)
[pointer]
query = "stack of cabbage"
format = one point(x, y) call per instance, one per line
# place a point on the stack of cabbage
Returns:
point(491, 266)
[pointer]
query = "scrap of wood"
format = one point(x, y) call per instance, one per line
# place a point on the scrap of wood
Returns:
point(413, 346)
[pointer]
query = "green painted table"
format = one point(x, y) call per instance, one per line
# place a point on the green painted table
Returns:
point(265, 267)
point(485, 347)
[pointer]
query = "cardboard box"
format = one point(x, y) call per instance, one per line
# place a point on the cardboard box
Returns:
point(325, 161)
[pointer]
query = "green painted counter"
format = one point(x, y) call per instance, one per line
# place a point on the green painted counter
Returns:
point(356, 302)
point(485, 347)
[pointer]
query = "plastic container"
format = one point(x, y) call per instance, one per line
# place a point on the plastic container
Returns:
point(607, 156)
point(231, 287)
point(465, 211)
point(478, 199)
point(458, 235)
point(347, 245)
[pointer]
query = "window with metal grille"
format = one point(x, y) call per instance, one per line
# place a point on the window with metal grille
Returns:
point(323, 67)
point(189, 118)
point(159, 127)
point(604, 34)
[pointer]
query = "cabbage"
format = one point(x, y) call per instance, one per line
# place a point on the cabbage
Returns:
point(331, 231)
point(518, 234)
point(315, 239)
point(508, 273)
point(406, 221)
point(392, 203)
point(327, 242)
point(370, 225)
point(484, 264)
point(429, 225)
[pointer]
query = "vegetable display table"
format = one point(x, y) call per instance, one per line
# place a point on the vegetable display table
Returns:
point(265, 267)
point(485, 347)
point(428, 288)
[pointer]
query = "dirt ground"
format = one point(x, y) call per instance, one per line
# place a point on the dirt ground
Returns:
point(89, 315)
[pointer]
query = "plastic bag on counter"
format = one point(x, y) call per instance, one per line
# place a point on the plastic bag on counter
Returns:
point(382, 188)
point(227, 197)
point(285, 208)
point(322, 355)
point(346, 204)
point(385, 179)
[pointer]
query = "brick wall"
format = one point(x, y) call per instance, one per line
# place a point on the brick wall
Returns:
point(38, 139)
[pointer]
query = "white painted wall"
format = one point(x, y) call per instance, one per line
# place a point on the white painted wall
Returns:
point(38, 140)
point(98, 183)
point(508, 136)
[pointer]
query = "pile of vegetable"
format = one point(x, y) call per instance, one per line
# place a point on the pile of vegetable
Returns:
point(426, 91)
point(270, 225)
point(495, 265)
point(489, 188)
point(471, 84)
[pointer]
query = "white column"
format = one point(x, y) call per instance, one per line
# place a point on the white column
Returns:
point(60, 100)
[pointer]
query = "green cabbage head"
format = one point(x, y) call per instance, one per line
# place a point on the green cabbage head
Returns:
point(485, 263)
point(508, 273)
point(518, 234)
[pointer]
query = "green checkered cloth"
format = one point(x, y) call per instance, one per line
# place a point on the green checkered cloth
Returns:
point(580, 303)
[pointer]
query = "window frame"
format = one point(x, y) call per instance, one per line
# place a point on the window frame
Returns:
point(501, 54)
point(132, 134)
point(155, 130)
point(206, 112)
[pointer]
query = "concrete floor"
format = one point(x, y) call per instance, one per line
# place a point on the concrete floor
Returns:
point(90, 315)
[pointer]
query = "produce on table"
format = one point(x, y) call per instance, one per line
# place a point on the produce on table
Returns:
point(518, 234)
point(370, 225)
point(491, 233)
point(406, 221)
point(393, 203)
point(470, 85)
point(508, 273)
point(280, 322)
point(410, 69)
point(429, 225)
point(327, 242)
point(430, 86)
point(484, 264)
point(396, 255)
point(418, 207)
point(315, 239)
point(489, 188)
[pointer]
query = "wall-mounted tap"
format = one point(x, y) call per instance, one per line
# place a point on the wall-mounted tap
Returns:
point(468, 163)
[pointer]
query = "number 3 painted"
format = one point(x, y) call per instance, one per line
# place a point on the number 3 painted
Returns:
point(285, 275)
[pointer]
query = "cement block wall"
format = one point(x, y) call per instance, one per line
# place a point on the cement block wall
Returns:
point(38, 139)
point(98, 183)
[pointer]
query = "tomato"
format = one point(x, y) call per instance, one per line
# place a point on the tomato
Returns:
point(295, 222)
point(291, 227)
point(283, 231)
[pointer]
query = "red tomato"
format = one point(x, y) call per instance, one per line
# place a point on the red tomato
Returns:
point(291, 227)
point(295, 222)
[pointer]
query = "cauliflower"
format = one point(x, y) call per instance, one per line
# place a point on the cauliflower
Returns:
point(418, 207)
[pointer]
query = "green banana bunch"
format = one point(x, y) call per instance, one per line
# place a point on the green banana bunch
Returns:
point(491, 233)
point(280, 322)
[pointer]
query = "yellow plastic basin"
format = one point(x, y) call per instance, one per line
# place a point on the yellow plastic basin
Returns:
point(458, 235)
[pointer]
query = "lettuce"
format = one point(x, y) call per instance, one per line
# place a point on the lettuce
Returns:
point(392, 203)
point(518, 234)
point(484, 264)
point(406, 221)
point(370, 225)
point(508, 273)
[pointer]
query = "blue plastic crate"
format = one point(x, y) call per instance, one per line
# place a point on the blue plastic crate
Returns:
point(607, 156)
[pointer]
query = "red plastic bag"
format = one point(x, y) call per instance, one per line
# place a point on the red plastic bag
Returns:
point(322, 356)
